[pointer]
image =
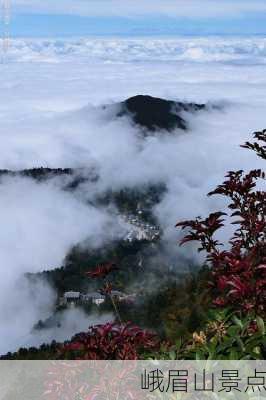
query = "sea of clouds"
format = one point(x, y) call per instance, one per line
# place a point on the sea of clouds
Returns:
point(227, 50)
point(51, 115)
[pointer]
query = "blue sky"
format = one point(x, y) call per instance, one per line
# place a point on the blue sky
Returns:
point(138, 18)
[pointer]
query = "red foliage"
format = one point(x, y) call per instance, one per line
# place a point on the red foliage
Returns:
point(260, 149)
point(102, 270)
point(239, 274)
point(109, 342)
point(203, 230)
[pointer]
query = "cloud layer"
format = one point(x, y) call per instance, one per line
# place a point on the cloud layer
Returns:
point(40, 223)
point(52, 117)
point(197, 50)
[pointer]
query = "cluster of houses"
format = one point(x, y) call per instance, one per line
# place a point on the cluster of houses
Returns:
point(141, 230)
point(76, 298)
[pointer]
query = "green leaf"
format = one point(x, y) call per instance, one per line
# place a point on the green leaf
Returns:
point(257, 350)
point(212, 344)
point(233, 330)
point(178, 344)
point(199, 355)
point(240, 344)
point(172, 355)
point(234, 355)
point(261, 325)
point(237, 322)
point(256, 337)
point(227, 343)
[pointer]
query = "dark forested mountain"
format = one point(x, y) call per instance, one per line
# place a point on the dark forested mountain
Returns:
point(140, 256)
point(154, 113)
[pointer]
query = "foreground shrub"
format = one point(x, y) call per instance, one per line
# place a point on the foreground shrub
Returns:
point(225, 337)
point(230, 338)
point(238, 274)
point(235, 327)
point(109, 342)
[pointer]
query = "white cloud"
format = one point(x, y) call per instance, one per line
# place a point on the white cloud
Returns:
point(45, 120)
point(71, 322)
point(202, 50)
point(39, 225)
point(175, 8)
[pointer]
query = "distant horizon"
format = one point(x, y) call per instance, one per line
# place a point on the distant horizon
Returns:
point(138, 36)
point(117, 18)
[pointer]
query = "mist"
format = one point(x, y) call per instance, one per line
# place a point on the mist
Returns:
point(40, 222)
point(53, 117)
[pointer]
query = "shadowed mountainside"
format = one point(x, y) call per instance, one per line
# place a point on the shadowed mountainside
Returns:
point(154, 113)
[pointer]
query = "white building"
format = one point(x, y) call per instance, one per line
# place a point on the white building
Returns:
point(72, 296)
point(94, 297)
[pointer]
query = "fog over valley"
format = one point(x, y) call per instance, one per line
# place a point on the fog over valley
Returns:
point(62, 107)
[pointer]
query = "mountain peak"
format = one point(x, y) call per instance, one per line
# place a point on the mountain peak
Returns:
point(154, 113)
